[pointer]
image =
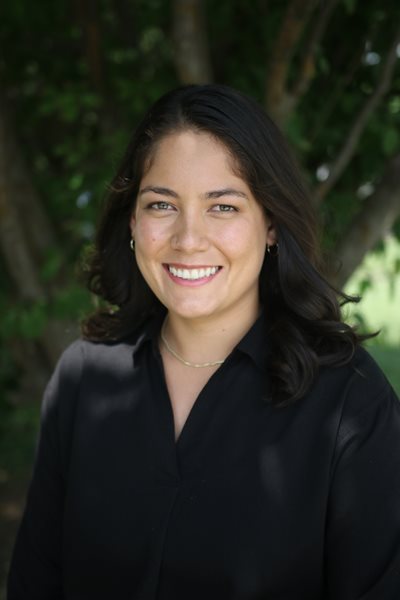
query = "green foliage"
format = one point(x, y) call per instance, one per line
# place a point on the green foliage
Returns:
point(75, 120)
point(350, 5)
point(75, 106)
point(388, 359)
point(390, 141)
point(377, 282)
point(28, 321)
point(18, 425)
point(18, 434)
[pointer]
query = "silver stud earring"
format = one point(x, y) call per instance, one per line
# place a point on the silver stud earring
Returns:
point(132, 245)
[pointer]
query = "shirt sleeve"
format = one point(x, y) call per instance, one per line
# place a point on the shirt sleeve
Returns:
point(363, 525)
point(36, 569)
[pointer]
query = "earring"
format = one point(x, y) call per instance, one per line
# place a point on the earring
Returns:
point(132, 245)
point(273, 250)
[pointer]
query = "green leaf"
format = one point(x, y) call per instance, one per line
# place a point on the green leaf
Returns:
point(390, 141)
point(350, 6)
point(51, 265)
point(75, 182)
point(73, 301)
point(32, 320)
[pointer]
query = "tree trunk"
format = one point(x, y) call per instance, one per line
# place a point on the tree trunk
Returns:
point(277, 99)
point(88, 17)
point(191, 51)
point(376, 218)
point(25, 233)
point(13, 241)
point(306, 70)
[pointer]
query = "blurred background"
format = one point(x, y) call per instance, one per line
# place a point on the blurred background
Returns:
point(75, 77)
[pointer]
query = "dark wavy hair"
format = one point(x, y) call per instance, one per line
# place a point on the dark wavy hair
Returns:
point(305, 329)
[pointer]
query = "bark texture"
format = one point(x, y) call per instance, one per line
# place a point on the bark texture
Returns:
point(25, 235)
point(88, 18)
point(14, 225)
point(375, 219)
point(278, 101)
point(307, 66)
point(190, 44)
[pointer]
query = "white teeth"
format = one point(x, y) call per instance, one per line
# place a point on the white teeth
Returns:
point(193, 273)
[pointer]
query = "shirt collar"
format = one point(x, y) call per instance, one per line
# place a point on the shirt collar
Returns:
point(254, 343)
point(148, 333)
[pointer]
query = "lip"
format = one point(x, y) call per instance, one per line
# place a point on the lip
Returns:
point(183, 266)
point(190, 282)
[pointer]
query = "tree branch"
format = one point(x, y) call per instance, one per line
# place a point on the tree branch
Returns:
point(190, 44)
point(307, 68)
point(17, 247)
point(13, 243)
point(87, 11)
point(340, 85)
point(375, 219)
point(347, 151)
point(294, 22)
point(25, 199)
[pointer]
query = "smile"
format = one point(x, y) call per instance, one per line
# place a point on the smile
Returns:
point(197, 274)
point(193, 274)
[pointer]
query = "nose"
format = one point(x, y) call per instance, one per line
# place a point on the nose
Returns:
point(189, 234)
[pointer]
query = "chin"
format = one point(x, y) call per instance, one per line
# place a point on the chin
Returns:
point(191, 312)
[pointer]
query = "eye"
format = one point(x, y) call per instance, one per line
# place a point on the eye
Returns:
point(224, 208)
point(158, 206)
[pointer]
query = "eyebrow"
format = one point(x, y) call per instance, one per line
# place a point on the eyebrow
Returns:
point(158, 190)
point(226, 192)
point(208, 195)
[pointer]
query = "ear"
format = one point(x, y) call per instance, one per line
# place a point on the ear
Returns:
point(272, 238)
point(132, 225)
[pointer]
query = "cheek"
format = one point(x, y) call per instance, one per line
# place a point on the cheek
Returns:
point(148, 235)
point(243, 239)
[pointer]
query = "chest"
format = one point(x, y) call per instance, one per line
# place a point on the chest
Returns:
point(184, 385)
point(232, 504)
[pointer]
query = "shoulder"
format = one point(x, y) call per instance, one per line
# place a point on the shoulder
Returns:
point(367, 384)
point(355, 385)
point(87, 371)
point(370, 409)
point(84, 354)
point(85, 364)
point(350, 388)
point(352, 399)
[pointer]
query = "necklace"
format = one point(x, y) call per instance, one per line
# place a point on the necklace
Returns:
point(186, 362)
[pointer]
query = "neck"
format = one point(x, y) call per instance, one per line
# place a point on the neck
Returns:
point(206, 340)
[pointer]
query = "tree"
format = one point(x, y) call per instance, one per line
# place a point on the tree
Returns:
point(79, 76)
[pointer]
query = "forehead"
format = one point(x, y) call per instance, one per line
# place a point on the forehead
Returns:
point(191, 153)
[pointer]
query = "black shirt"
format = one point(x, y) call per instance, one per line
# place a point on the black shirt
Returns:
point(252, 502)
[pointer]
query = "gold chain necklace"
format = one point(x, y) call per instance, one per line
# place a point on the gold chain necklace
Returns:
point(186, 362)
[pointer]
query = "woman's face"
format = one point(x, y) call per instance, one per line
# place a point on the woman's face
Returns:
point(200, 235)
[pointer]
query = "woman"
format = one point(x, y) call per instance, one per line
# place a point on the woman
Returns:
point(220, 433)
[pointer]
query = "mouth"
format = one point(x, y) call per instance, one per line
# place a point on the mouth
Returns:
point(193, 273)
